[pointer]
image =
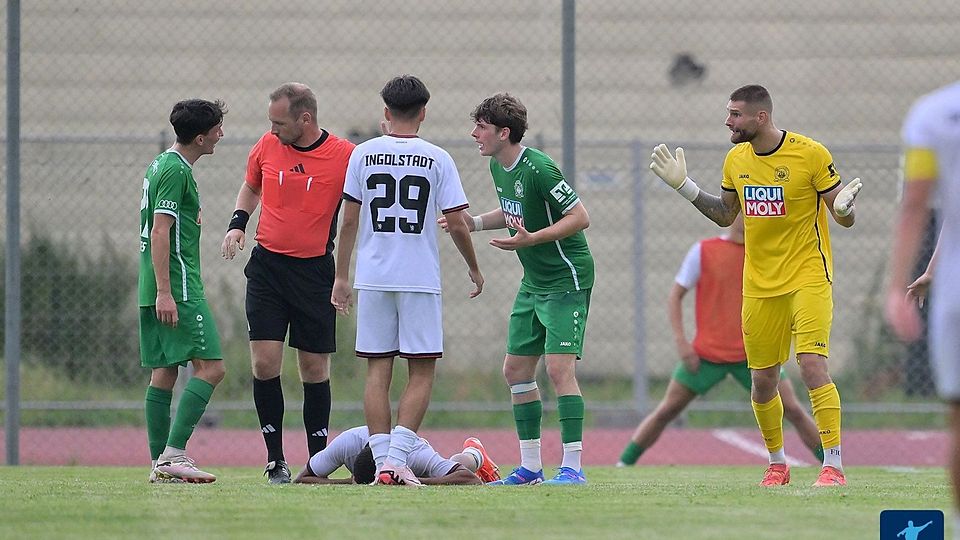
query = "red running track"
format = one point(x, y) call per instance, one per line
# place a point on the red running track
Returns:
point(228, 447)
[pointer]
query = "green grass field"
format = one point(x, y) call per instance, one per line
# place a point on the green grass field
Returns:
point(642, 502)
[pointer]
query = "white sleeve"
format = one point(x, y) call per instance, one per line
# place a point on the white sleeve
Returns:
point(450, 193)
point(336, 454)
point(689, 273)
point(353, 185)
point(915, 131)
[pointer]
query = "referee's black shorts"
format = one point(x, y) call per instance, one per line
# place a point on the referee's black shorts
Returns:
point(289, 291)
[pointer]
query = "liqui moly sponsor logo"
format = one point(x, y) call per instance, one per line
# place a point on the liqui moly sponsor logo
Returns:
point(763, 201)
point(512, 212)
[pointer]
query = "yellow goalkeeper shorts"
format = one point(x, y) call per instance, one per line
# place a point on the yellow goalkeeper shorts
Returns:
point(770, 324)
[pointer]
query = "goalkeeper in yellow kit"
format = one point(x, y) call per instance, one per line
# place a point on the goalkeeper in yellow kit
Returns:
point(784, 183)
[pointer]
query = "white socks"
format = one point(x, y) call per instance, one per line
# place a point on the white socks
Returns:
point(778, 456)
point(402, 441)
point(571, 455)
point(379, 445)
point(476, 455)
point(170, 452)
point(831, 457)
point(530, 455)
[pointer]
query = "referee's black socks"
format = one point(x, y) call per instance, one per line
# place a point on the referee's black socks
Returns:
point(268, 397)
point(316, 414)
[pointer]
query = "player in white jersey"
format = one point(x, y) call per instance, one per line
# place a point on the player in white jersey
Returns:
point(350, 450)
point(931, 136)
point(396, 185)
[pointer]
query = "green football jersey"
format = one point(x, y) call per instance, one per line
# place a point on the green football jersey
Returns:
point(534, 194)
point(169, 188)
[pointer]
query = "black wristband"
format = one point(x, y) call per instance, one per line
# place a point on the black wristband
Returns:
point(239, 220)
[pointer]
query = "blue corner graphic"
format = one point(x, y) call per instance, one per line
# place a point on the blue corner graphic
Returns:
point(911, 525)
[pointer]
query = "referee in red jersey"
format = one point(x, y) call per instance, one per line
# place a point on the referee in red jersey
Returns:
point(295, 172)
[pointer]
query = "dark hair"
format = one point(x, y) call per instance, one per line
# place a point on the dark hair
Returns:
point(405, 96)
point(504, 111)
point(192, 117)
point(754, 94)
point(302, 99)
point(364, 467)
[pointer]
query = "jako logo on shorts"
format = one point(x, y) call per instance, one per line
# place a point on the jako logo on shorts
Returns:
point(763, 201)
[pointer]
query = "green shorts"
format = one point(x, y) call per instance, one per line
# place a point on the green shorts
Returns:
point(195, 336)
point(551, 323)
point(711, 373)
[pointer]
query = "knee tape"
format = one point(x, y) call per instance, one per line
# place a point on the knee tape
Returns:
point(521, 388)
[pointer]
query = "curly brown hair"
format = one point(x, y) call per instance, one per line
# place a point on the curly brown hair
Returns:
point(504, 111)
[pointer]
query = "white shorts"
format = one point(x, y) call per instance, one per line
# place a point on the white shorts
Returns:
point(392, 323)
point(944, 339)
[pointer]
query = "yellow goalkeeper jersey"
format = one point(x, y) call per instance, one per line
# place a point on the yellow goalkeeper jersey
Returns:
point(785, 219)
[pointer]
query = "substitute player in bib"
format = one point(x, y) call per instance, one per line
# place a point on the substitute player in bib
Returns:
point(351, 450)
point(295, 174)
point(176, 325)
point(931, 135)
point(546, 220)
point(715, 268)
point(396, 185)
point(785, 183)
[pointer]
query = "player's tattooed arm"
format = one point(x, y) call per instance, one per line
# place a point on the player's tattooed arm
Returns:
point(721, 210)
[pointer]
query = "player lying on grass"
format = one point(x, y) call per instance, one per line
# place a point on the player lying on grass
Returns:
point(350, 450)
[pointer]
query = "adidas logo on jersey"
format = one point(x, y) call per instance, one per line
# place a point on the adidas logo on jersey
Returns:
point(299, 168)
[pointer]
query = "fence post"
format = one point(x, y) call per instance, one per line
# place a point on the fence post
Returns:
point(11, 346)
point(640, 382)
point(569, 92)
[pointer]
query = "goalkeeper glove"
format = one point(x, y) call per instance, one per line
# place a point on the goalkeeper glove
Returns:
point(673, 171)
point(843, 204)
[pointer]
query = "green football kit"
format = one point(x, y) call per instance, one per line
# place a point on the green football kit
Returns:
point(550, 311)
point(169, 188)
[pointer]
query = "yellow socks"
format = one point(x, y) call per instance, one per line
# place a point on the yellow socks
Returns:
point(770, 419)
point(825, 401)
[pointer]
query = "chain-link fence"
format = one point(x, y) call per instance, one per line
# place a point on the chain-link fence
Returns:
point(99, 78)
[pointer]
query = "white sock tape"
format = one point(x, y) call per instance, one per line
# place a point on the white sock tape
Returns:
point(520, 388)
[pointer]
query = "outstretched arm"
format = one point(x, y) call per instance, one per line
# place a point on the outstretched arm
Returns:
point(575, 220)
point(306, 476)
point(672, 169)
point(488, 221)
point(840, 202)
point(247, 201)
point(721, 210)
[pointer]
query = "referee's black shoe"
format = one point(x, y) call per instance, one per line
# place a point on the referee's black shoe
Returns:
point(277, 472)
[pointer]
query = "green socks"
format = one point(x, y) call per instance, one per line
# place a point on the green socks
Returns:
point(192, 404)
point(528, 417)
point(570, 411)
point(631, 454)
point(157, 411)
